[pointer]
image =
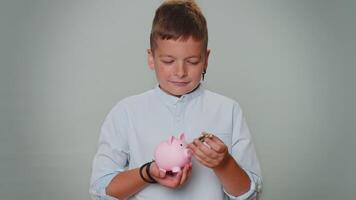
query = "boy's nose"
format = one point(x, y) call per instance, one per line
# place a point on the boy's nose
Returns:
point(180, 70)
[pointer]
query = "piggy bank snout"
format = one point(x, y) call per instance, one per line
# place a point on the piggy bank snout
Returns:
point(188, 153)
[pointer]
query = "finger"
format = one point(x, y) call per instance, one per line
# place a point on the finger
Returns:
point(190, 146)
point(156, 172)
point(203, 162)
point(196, 151)
point(189, 170)
point(217, 140)
point(162, 174)
point(206, 150)
point(202, 158)
point(199, 154)
point(177, 178)
point(171, 181)
point(216, 144)
point(184, 174)
point(187, 175)
point(201, 145)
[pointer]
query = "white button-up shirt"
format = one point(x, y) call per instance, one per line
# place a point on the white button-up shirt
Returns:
point(138, 123)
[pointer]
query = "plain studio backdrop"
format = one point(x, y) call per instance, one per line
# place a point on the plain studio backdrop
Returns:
point(289, 63)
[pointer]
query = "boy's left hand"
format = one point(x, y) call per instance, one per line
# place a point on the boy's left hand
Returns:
point(211, 156)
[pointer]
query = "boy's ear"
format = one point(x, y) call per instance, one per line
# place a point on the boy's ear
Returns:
point(206, 59)
point(150, 59)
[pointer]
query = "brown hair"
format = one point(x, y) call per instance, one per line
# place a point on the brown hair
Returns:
point(179, 19)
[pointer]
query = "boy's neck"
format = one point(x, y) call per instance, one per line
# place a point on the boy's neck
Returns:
point(178, 96)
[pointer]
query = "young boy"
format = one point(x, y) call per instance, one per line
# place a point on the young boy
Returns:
point(224, 167)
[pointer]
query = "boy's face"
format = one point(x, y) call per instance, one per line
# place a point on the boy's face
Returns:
point(178, 64)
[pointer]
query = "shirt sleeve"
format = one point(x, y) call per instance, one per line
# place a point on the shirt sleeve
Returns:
point(243, 151)
point(112, 155)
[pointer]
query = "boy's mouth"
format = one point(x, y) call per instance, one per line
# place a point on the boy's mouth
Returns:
point(179, 83)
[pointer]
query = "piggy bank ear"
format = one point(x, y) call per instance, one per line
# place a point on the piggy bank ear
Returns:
point(170, 139)
point(181, 137)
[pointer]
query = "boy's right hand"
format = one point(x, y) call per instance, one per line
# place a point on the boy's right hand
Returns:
point(171, 181)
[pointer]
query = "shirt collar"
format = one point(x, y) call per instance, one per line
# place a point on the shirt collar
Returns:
point(173, 100)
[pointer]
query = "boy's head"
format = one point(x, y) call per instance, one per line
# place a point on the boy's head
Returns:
point(178, 40)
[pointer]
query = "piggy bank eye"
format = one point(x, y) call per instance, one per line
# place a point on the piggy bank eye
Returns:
point(181, 145)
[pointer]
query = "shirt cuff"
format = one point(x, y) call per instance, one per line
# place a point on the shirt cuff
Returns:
point(255, 188)
point(99, 192)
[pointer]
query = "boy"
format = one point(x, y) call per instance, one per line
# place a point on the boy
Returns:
point(225, 167)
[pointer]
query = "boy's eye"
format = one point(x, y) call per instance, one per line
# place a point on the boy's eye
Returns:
point(167, 61)
point(193, 62)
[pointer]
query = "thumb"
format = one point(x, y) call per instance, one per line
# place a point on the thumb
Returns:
point(162, 174)
point(156, 171)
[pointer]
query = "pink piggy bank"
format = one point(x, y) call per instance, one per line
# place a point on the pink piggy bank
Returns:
point(173, 154)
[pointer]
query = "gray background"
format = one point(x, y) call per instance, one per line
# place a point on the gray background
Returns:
point(290, 64)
